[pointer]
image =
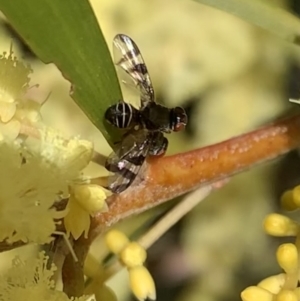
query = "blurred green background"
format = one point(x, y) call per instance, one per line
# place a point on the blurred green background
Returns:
point(231, 77)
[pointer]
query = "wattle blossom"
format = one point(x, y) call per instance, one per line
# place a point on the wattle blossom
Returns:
point(38, 168)
point(85, 201)
point(133, 256)
point(32, 280)
point(41, 183)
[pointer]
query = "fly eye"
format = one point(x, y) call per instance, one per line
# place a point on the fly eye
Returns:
point(181, 119)
point(179, 127)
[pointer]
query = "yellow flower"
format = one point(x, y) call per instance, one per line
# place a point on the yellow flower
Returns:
point(14, 82)
point(32, 180)
point(141, 283)
point(91, 198)
point(32, 280)
point(280, 225)
point(28, 191)
point(14, 107)
point(69, 155)
point(116, 241)
point(274, 283)
point(85, 200)
point(133, 255)
point(254, 293)
point(290, 200)
point(287, 257)
point(63, 159)
point(77, 220)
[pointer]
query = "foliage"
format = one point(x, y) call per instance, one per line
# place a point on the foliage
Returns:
point(52, 190)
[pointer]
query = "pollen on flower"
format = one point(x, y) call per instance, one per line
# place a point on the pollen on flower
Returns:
point(28, 112)
point(69, 155)
point(29, 189)
point(31, 277)
point(14, 76)
point(15, 107)
point(32, 280)
point(14, 81)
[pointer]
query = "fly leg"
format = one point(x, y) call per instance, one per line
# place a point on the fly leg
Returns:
point(159, 144)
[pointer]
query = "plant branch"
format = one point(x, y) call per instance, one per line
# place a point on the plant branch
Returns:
point(172, 176)
point(72, 271)
point(168, 177)
point(167, 221)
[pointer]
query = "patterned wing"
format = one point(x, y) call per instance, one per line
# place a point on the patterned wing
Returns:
point(127, 56)
point(127, 161)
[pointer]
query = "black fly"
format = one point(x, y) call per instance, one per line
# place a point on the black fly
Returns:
point(145, 125)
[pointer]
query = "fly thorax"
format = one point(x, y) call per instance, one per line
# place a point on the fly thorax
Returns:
point(156, 117)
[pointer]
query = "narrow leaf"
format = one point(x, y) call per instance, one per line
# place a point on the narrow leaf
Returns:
point(66, 33)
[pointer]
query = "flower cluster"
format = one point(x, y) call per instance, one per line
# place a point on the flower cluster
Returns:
point(283, 286)
point(132, 256)
point(15, 109)
point(39, 167)
point(28, 190)
point(32, 280)
point(42, 183)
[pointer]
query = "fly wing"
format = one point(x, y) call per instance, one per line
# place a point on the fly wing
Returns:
point(127, 161)
point(133, 70)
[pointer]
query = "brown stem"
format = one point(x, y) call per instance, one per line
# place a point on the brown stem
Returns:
point(169, 177)
point(4, 246)
point(167, 221)
point(72, 272)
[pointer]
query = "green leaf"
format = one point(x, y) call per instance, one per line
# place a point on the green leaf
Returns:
point(265, 15)
point(66, 33)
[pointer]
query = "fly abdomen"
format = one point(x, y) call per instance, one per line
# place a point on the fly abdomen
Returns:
point(122, 115)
